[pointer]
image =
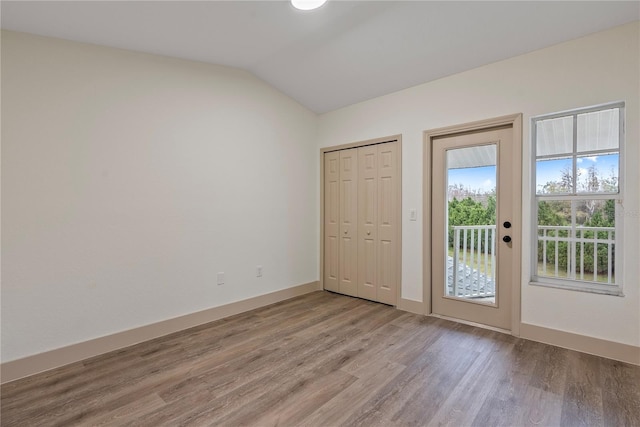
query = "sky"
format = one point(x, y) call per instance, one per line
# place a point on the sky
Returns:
point(484, 178)
point(480, 178)
point(551, 170)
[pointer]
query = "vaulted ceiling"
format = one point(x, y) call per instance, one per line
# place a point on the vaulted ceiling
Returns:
point(340, 54)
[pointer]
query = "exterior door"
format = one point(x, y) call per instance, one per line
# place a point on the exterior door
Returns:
point(472, 226)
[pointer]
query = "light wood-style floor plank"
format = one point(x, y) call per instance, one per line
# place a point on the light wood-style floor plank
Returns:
point(329, 360)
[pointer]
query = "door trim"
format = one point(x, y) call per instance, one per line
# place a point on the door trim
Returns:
point(515, 122)
point(375, 141)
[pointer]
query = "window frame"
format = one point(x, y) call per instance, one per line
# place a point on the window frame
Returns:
point(616, 288)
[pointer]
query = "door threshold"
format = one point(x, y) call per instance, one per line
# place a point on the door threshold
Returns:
point(466, 322)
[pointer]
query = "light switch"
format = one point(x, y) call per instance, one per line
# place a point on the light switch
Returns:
point(413, 215)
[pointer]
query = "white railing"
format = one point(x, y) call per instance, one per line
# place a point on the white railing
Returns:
point(471, 271)
point(566, 252)
point(579, 248)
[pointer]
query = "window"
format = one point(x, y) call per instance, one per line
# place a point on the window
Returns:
point(578, 185)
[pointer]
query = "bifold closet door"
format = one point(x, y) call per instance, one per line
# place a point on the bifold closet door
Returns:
point(348, 241)
point(378, 202)
point(331, 220)
point(388, 219)
point(367, 221)
point(361, 222)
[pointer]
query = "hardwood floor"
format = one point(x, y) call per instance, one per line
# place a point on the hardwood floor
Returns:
point(323, 360)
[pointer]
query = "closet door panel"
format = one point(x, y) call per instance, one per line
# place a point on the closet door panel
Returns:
point(348, 233)
point(367, 221)
point(388, 222)
point(331, 220)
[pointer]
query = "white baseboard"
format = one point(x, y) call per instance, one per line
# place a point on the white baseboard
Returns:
point(412, 306)
point(475, 324)
point(585, 344)
point(30, 365)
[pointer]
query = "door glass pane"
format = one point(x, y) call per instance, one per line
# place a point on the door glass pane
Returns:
point(471, 219)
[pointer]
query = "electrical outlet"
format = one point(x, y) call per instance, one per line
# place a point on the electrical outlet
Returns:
point(413, 215)
point(221, 278)
point(258, 271)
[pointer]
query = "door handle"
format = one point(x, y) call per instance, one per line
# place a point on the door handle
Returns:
point(506, 239)
point(507, 224)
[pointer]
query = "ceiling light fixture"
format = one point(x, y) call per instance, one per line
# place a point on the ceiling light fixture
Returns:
point(307, 4)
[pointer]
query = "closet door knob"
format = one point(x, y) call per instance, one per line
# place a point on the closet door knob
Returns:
point(368, 232)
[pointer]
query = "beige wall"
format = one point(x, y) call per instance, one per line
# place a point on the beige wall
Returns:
point(130, 180)
point(596, 69)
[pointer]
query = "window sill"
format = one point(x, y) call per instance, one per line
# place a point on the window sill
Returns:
point(617, 291)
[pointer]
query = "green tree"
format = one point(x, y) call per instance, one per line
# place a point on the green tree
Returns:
point(471, 212)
